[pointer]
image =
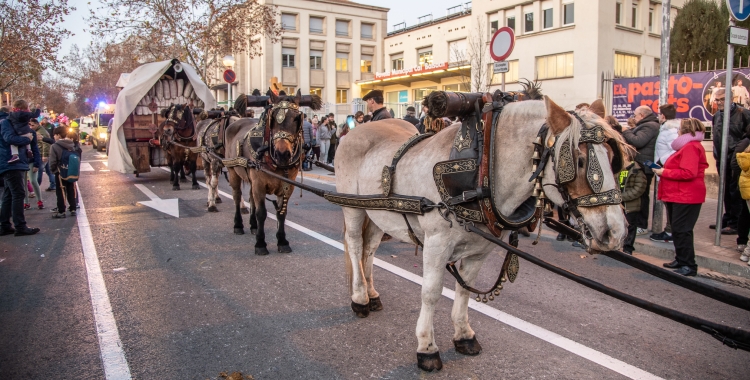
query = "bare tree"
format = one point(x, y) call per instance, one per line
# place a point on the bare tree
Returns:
point(29, 31)
point(477, 77)
point(199, 32)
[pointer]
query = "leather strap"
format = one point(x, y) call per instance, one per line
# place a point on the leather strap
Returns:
point(483, 178)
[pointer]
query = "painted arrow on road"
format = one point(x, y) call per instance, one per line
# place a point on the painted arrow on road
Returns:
point(167, 206)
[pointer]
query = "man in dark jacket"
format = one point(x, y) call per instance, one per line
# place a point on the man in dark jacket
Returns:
point(739, 120)
point(308, 137)
point(14, 176)
point(643, 139)
point(410, 116)
point(374, 100)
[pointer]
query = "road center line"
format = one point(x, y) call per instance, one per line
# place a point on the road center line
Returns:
point(558, 340)
point(110, 346)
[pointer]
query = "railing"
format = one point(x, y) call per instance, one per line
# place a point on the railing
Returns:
point(314, 30)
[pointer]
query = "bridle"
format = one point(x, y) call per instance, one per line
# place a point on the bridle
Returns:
point(566, 170)
point(279, 112)
point(176, 118)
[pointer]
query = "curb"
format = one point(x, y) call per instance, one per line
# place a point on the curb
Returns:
point(739, 269)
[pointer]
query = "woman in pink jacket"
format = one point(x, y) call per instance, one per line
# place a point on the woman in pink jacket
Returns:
point(683, 191)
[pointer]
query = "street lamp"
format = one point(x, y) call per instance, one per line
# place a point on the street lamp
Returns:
point(228, 62)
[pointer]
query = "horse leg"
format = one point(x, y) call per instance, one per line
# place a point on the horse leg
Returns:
point(260, 213)
point(282, 243)
point(436, 252)
point(372, 239)
point(355, 227)
point(183, 178)
point(253, 220)
point(236, 182)
point(464, 338)
point(176, 166)
point(194, 170)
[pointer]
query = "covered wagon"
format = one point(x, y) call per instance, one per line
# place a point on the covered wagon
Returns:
point(149, 89)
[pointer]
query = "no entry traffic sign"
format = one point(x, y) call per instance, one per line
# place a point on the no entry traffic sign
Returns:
point(740, 9)
point(229, 76)
point(502, 43)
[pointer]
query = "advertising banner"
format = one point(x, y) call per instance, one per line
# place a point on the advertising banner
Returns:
point(692, 93)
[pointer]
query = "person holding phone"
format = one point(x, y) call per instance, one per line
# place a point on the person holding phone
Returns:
point(683, 191)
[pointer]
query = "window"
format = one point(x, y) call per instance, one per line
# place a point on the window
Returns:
point(288, 21)
point(458, 87)
point(457, 51)
point(634, 14)
point(287, 57)
point(529, 22)
point(568, 11)
point(651, 20)
point(397, 62)
point(342, 96)
point(316, 59)
point(547, 18)
point(316, 91)
point(425, 56)
point(494, 26)
point(626, 65)
point(365, 64)
point(342, 61)
point(657, 66)
point(289, 90)
point(421, 93)
point(342, 28)
point(510, 77)
point(316, 25)
point(367, 31)
point(554, 66)
point(511, 23)
point(618, 13)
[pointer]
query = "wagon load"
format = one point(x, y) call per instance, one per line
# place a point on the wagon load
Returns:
point(151, 89)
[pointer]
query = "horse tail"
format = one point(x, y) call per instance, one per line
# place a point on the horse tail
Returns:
point(348, 260)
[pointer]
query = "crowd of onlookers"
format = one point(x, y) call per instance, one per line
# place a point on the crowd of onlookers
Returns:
point(30, 146)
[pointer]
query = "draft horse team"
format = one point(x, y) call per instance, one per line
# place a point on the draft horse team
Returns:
point(494, 169)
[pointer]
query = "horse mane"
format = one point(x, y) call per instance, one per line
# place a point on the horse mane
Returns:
point(590, 118)
point(533, 89)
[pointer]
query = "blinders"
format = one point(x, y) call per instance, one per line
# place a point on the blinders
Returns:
point(278, 113)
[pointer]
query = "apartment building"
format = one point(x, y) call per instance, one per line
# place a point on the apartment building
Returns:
point(326, 46)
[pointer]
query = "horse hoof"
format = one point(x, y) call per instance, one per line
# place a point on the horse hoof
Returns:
point(243, 211)
point(176, 187)
point(375, 304)
point(213, 209)
point(285, 249)
point(361, 311)
point(429, 362)
point(196, 187)
point(261, 251)
point(218, 200)
point(253, 231)
point(469, 347)
point(239, 231)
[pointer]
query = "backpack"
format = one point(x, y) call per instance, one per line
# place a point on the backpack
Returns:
point(70, 166)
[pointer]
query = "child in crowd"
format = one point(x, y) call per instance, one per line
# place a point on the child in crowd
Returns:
point(632, 186)
point(19, 120)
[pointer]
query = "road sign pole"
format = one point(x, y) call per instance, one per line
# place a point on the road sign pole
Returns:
point(724, 137)
point(502, 84)
point(657, 217)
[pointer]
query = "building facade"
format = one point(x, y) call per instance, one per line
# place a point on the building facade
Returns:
point(326, 46)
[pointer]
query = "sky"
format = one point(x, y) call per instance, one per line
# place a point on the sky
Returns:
point(400, 11)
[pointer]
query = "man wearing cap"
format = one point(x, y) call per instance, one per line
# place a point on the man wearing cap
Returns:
point(411, 116)
point(374, 100)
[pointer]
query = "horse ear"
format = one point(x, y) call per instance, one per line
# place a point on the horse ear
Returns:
point(557, 118)
point(298, 98)
point(597, 107)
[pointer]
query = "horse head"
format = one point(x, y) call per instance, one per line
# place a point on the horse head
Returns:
point(179, 119)
point(284, 120)
point(587, 157)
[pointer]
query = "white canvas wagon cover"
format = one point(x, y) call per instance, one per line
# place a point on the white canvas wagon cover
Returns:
point(140, 81)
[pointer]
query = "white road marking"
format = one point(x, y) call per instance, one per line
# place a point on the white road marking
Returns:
point(106, 163)
point(553, 338)
point(86, 167)
point(167, 206)
point(110, 346)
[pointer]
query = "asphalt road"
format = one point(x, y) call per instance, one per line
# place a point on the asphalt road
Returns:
point(190, 300)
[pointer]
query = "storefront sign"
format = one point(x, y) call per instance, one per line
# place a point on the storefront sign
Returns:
point(690, 93)
point(413, 70)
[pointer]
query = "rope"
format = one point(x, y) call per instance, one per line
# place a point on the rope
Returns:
point(729, 336)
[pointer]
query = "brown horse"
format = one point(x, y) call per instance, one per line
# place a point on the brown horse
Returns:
point(177, 137)
point(211, 132)
point(274, 143)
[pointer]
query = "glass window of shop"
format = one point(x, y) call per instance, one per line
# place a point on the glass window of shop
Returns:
point(458, 87)
point(420, 93)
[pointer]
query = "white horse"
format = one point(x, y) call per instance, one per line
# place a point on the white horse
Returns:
point(369, 147)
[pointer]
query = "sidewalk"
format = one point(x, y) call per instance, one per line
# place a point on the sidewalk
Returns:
point(724, 259)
